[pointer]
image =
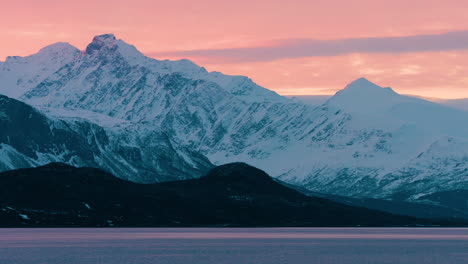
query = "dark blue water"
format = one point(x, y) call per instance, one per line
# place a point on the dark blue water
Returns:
point(236, 246)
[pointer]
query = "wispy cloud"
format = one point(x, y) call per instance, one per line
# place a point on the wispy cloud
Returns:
point(296, 48)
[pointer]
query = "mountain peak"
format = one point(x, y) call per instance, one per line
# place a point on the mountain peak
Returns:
point(364, 87)
point(362, 83)
point(59, 48)
point(364, 96)
point(101, 41)
point(105, 37)
point(112, 45)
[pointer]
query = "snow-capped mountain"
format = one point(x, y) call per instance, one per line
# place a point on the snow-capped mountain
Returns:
point(364, 141)
point(387, 144)
point(211, 112)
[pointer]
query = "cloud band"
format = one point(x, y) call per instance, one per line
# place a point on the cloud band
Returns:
point(296, 48)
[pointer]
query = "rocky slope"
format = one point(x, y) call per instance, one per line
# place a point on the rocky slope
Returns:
point(30, 138)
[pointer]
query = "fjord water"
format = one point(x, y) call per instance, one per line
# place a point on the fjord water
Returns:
point(234, 245)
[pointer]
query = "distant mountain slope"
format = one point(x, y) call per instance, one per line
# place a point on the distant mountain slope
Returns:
point(461, 104)
point(365, 141)
point(457, 199)
point(380, 142)
point(316, 100)
point(29, 138)
point(229, 195)
point(313, 100)
point(455, 206)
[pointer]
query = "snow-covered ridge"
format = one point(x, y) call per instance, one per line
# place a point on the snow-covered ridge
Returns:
point(35, 70)
point(364, 141)
point(19, 74)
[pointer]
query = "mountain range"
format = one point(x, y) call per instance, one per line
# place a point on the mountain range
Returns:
point(149, 120)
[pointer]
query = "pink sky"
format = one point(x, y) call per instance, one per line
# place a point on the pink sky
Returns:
point(168, 29)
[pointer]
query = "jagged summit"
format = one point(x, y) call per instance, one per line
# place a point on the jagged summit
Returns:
point(105, 37)
point(100, 42)
point(109, 45)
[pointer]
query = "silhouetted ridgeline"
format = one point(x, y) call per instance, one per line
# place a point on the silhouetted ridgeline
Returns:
point(59, 195)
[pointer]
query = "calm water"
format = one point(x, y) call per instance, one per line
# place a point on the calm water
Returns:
point(237, 246)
